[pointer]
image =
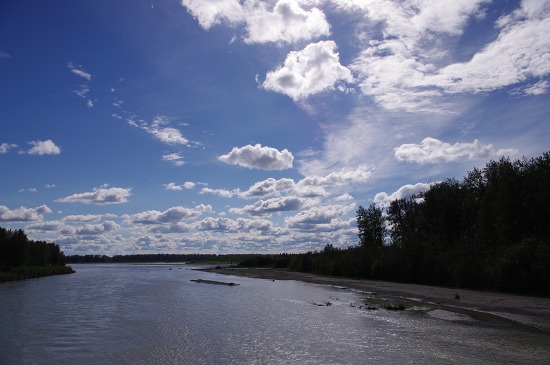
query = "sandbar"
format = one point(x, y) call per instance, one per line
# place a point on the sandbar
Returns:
point(532, 312)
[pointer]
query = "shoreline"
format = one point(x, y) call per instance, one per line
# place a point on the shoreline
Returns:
point(532, 312)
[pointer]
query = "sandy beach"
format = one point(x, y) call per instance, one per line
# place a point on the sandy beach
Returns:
point(532, 312)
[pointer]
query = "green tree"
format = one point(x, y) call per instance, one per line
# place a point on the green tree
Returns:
point(371, 225)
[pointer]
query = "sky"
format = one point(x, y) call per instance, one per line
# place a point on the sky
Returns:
point(227, 126)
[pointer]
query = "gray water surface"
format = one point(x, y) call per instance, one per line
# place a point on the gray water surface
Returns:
point(154, 314)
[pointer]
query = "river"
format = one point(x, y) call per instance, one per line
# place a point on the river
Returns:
point(154, 314)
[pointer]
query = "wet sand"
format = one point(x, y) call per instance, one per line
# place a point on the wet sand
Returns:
point(533, 312)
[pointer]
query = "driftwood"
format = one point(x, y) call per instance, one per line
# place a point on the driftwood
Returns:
point(203, 281)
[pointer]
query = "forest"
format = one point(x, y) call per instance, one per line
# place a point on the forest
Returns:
point(21, 258)
point(160, 257)
point(489, 231)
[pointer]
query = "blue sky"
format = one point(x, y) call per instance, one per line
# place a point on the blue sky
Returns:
point(222, 126)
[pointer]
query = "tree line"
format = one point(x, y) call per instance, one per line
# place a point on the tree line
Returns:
point(489, 231)
point(21, 258)
point(159, 257)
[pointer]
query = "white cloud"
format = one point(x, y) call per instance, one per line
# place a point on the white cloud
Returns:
point(383, 200)
point(171, 228)
point(539, 88)
point(97, 229)
point(310, 71)
point(258, 157)
point(269, 186)
point(99, 196)
point(23, 214)
point(79, 71)
point(82, 90)
point(176, 187)
point(166, 135)
point(174, 158)
point(157, 129)
point(520, 52)
point(47, 147)
point(212, 12)
point(171, 215)
point(432, 151)
point(173, 187)
point(411, 66)
point(346, 175)
point(287, 22)
point(238, 225)
point(343, 198)
point(319, 215)
point(4, 55)
point(82, 218)
point(309, 191)
point(189, 185)
point(270, 206)
point(281, 21)
point(50, 226)
point(219, 192)
point(5, 147)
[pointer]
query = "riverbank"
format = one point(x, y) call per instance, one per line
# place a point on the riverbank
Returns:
point(33, 272)
point(529, 311)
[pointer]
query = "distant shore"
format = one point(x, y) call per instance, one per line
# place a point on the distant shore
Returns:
point(533, 312)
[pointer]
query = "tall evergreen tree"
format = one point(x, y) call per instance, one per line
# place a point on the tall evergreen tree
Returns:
point(371, 225)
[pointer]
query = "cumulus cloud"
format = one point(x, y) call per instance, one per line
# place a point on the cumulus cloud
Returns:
point(270, 206)
point(287, 22)
point(404, 60)
point(5, 147)
point(346, 175)
point(319, 215)
point(44, 148)
point(223, 193)
point(99, 196)
point(50, 226)
point(258, 157)
point(171, 215)
point(212, 12)
point(238, 225)
point(176, 187)
point(308, 187)
point(178, 227)
point(97, 229)
point(308, 191)
point(269, 186)
point(82, 218)
point(383, 200)
point(310, 71)
point(433, 151)
point(23, 214)
point(281, 21)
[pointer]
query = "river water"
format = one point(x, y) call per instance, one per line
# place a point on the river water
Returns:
point(154, 314)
